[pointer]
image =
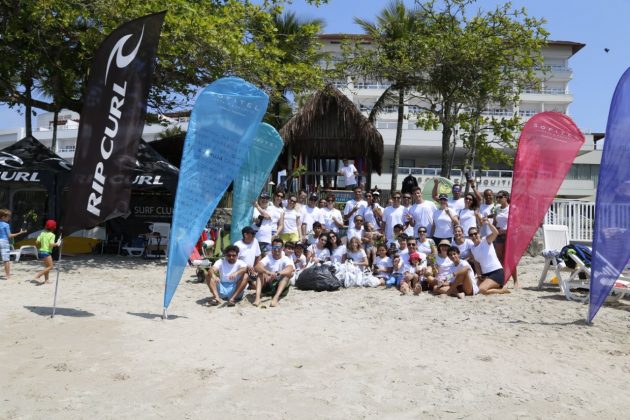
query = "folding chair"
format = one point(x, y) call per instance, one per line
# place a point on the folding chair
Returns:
point(555, 237)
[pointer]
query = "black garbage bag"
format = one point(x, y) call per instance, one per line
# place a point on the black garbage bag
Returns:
point(319, 277)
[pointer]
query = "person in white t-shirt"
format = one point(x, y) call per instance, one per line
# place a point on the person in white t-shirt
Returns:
point(333, 220)
point(249, 250)
point(383, 264)
point(275, 271)
point(354, 207)
point(421, 211)
point(226, 278)
point(311, 214)
point(442, 268)
point(444, 219)
point(491, 280)
point(350, 174)
point(392, 215)
point(501, 216)
point(462, 281)
point(486, 209)
point(356, 253)
point(267, 217)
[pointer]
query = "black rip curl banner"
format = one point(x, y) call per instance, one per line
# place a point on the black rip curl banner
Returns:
point(112, 120)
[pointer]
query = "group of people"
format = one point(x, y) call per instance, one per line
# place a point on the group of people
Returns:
point(45, 243)
point(454, 248)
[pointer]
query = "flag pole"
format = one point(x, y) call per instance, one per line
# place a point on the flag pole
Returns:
point(58, 271)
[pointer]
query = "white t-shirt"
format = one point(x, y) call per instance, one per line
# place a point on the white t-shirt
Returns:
point(392, 216)
point(502, 217)
point(290, 221)
point(443, 224)
point(467, 219)
point(422, 215)
point(225, 269)
point(486, 256)
point(407, 216)
point(330, 215)
point(351, 204)
point(348, 174)
point(368, 215)
point(456, 204)
point(471, 275)
point(357, 257)
point(248, 252)
point(425, 247)
point(355, 233)
point(300, 262)
point(444, 267)
point(273, 265)
point(268, 225)
point(338, 253)
point(383, 263)
point(464, 248)
point(321, 254)
point(311, 215)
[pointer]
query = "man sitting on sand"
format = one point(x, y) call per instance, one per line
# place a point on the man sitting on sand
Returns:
point(274, 270)
point(462, 281)
point(226, 279)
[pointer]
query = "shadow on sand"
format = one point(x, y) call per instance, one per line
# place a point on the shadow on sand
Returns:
point(47, 311)
point(147, 315)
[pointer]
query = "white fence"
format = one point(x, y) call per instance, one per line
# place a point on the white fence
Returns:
point(579, 216)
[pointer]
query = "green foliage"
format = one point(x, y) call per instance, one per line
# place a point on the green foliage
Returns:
point(48, 46)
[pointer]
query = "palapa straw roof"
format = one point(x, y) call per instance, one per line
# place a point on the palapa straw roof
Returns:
point(330, 126)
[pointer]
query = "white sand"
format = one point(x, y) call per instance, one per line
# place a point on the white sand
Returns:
point(349, 354)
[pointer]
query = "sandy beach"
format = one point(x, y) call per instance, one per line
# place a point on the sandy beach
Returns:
point(358, 353)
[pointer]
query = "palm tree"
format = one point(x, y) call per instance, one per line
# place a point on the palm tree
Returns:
point(395, 59)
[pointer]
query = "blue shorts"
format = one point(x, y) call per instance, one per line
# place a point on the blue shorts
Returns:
point(227, 288)
point(42, 254)
point(5, 250)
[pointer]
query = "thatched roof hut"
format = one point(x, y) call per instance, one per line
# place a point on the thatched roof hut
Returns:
point(330, 126)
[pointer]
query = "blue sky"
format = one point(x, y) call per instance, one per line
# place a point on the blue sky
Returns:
point(598, 24)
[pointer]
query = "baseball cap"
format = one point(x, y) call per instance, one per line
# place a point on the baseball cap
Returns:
point(313, 197)
point(265, 195)
point(415, 256)
point(443, 197)
point(457, 188)
point(50, 224)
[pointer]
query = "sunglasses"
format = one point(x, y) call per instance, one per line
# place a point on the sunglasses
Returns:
point(293, 201)
point(280, 195)
point(474, 233)
point(500, 196)
point(468, 199)
point(422, 231)
point(276, 248)
point(411, 244)
point(407, 196)
point(397, 197)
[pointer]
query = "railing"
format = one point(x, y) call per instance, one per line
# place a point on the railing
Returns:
point(548, 91)
point(578, 216)
point(371, 85)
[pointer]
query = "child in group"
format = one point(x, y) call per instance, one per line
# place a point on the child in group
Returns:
point(45, 243)
point(444, 264)
point(5, 238)
point(370, 236)
point(383, 265)
point(298, 257)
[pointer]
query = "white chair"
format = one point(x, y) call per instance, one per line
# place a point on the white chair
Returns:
point(574, 282)
point(555, 237)
point(24, 250)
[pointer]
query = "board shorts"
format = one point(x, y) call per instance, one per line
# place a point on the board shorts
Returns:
point(227, 288)
point(43, 254)
point(271, 287)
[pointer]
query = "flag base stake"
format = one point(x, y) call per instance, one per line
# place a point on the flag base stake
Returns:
point(57, 282)
point(164, 314)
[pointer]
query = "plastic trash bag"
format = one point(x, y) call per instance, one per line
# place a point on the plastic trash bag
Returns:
point(318, 277)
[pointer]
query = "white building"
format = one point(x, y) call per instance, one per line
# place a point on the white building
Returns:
point(68, 130)
point(421, 150)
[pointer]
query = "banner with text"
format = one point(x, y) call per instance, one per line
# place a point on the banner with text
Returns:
point(222, 127)
point(611, 236)
point(112, 120)
point(251, 179)
point(547, 147)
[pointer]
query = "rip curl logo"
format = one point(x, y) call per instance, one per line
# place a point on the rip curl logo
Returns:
point(60, 162)
point(10, 161)
point(122, 60)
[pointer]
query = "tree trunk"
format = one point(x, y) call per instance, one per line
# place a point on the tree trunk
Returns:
point(53, 144)
point(28, 124)
point(447, 132)
point(401, 110)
